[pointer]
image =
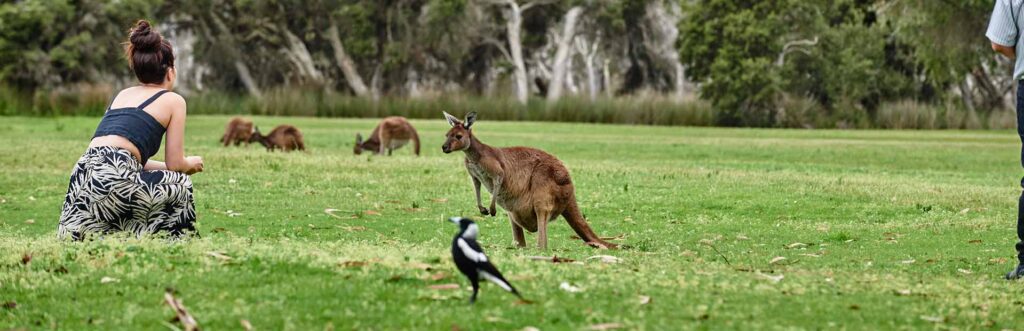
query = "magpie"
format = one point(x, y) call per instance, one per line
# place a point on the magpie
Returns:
point(470, 258)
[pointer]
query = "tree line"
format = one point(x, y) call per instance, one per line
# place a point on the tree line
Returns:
point(756, 62)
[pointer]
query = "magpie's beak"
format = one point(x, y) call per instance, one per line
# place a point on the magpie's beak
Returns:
point(455, 220)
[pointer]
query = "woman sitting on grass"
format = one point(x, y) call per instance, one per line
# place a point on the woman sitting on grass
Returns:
point(115, 186)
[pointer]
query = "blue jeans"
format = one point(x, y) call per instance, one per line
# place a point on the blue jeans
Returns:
point(1020, 203)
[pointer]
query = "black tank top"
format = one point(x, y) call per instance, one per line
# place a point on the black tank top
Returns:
point(136, 125)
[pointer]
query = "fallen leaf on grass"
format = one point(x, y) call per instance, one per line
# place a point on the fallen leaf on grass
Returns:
point(974, 241)
point(933, 319)
point(444, 287)
point(911, 261)
point(393, 201)
point(644, 300)
point(438, 276)
point(26, 258)
point(742, 237)
point(605, 326)
point(352, 228)
point(552, 259)
point(565, 286)
point(965, 271)
point(530, 328)
point(772, 278)
point(777, 259)
point(219, 255)
point(521, 302)
point(421, 266)
point(796, 245)
point(106, 280)
point(232, 213)
point(811, 255)
point(903, 292)
point(181, 313)
point(439, 200)
point(997, 260)
point(331, 212)
point(10, 305)
point(371, 212)
point(606, 258)
point(354, 264)
point(965, 211)
point(618, 237)
point(30, 221)
point(493, 319)
point(31, 198)
point(219, 230)
point(246, 325)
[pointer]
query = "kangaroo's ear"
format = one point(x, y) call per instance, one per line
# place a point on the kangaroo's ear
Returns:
point(359, 139)
point(470, 119)
point(451, 119)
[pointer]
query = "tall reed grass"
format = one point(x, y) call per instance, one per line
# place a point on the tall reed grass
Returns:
point(641, 109)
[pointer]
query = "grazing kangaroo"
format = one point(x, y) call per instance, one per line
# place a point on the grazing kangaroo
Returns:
point(392, 132)
point(238, 130)
point(532, 186)
point(284, 137)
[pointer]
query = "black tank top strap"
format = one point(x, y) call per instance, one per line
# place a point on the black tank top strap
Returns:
point(151, 99)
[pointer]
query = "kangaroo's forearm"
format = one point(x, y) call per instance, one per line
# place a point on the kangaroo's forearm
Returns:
point(476, 187)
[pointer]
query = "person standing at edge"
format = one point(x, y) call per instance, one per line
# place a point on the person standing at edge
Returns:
point(115, 187)
point(1004, 33)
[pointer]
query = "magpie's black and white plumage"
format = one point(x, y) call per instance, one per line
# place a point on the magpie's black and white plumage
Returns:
point(472, 261)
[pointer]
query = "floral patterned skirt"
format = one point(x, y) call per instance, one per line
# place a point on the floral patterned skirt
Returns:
point(109, 192)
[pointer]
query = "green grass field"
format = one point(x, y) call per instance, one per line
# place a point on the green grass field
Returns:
point(878, 230)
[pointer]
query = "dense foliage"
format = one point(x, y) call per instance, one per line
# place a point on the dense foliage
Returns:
point(758, 62)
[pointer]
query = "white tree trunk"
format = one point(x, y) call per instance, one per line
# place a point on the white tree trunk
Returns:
point(243, 70)
point(606, 75)
point(514, 22)
point(562, 53)
point(299, 55)
point(588, 51)
point(348, 67)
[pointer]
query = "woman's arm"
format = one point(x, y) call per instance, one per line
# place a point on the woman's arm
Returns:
point(174, 146)
point(154, 165)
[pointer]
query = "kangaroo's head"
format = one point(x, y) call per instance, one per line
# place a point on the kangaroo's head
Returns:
point(258, 137)
point(459, 136)
point(365, 145)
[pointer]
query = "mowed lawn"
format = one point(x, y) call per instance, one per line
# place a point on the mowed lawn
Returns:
point(725, 228)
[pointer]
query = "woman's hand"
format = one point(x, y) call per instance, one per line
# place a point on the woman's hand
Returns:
point(195, 164)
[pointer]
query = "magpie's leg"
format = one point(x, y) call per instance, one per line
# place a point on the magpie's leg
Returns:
point(476, 288)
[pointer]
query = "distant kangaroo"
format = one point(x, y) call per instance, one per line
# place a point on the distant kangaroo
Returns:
point(238, 130)
point(284, 137)
point(392, 133)
point(532, 186)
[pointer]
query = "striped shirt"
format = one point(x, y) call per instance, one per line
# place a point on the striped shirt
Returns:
point(1004, 29)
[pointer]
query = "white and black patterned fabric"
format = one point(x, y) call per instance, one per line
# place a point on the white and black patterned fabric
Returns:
point(109, 192)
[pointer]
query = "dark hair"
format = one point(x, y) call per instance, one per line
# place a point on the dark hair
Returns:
point(149, 54)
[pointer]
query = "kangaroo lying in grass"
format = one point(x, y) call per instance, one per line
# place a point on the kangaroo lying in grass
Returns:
point(284, 137)
point(238, 130)
point(392, 133)
point(532, 186)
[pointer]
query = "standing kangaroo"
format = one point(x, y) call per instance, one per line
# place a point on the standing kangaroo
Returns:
point(532, 186)
point(392, 132)
point(238, 130)
point(284, 137)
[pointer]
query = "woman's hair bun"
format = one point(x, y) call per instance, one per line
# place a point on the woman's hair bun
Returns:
point(143, 38)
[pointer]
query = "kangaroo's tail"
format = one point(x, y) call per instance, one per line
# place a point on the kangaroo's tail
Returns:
point(574, 217)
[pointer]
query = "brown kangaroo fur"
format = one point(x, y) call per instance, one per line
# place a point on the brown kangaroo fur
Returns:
point(532, 186)
point(284, 137)
point(238, 130)
point(392, 133)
